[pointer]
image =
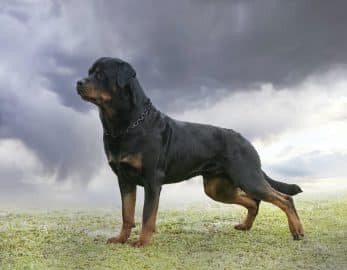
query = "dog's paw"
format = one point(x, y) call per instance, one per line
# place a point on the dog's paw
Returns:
point(242, 227)
point(298, 236)
point(116, 240)
point(140, 243)
point(297, 232)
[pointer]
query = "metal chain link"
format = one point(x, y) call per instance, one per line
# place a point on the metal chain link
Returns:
point(136, 123)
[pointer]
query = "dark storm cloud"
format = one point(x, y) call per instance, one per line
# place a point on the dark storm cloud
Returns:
point(179, 46)
point(63, 84)
point(182, 50)
point(65, 142)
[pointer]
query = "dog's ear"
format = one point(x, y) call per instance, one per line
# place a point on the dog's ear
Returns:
point(124, 73)
point(132, 94)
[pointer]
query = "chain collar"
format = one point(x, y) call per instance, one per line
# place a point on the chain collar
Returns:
point(134, 124)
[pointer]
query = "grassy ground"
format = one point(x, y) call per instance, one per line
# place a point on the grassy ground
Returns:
point(186, 239)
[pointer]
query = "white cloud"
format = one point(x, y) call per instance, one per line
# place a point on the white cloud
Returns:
point(14, 155)
point(290, 124)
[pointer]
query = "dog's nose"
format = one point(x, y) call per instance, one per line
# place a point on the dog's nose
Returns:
point(79, 87)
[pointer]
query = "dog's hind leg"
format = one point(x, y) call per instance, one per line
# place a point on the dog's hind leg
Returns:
point(252, 206)
point(220, 189)
point(254, 184)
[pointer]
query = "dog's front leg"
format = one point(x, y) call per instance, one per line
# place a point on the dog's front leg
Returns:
point(150, 209)
point(128, 195)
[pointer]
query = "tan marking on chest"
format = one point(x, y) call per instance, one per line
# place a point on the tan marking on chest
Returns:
point(134, 160)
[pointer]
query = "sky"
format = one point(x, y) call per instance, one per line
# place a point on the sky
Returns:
point(275, 71)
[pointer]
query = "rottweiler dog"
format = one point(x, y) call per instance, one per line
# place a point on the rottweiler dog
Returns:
point(148, 148)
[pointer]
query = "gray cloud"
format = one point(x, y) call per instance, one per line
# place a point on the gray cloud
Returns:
point(314, 164)
point(178, 47)
point(184, 50)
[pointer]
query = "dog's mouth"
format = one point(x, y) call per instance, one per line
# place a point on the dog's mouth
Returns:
point(95, 100)
point(88, 98)
point(82, 91)
point(94, 96)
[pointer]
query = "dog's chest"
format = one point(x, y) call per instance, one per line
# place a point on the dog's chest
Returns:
point(123, 154)
point(118, 158)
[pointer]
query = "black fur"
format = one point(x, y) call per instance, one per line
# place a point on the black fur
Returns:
point(290, 189)
point(161, 150)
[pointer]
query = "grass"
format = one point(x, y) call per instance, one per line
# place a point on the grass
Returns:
point(194, 238)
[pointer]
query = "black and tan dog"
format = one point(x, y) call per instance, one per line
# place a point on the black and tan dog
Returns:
point(146, 147)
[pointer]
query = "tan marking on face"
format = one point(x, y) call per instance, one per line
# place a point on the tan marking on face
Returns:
point(134, 160)
point(105, 96)
point(93, 93)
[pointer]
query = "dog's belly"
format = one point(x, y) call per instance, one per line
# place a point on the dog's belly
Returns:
point(208, 168)
point(193, 149)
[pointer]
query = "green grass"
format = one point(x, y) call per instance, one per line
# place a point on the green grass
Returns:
point(186, 239)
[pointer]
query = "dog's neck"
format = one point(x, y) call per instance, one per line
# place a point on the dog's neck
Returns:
point(116, 118)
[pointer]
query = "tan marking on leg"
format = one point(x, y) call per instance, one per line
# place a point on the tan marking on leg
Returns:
point(245, 200)
point(128, 209)
point(220, 189)
point(128, 212)
point(210, 188)
point(285, 203)
point(149, 227)
point(147, 230)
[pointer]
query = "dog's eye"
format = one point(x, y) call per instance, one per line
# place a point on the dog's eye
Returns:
point(100, 76)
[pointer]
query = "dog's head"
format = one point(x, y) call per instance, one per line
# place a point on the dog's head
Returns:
point(107, 81)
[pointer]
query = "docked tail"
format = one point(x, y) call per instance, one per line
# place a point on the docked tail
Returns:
point(289, 189)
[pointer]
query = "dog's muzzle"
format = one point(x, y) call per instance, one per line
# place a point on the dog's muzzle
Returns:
point(80, 87)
